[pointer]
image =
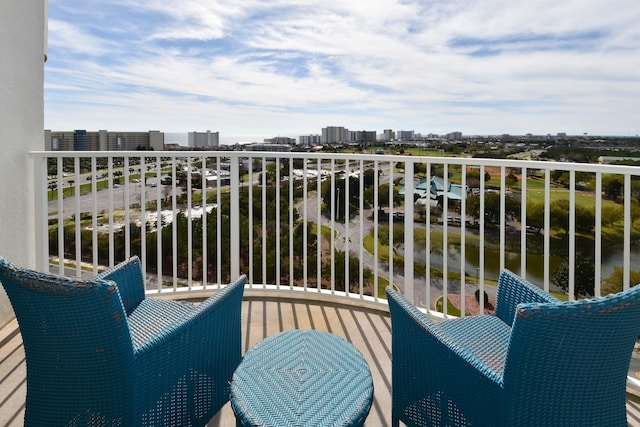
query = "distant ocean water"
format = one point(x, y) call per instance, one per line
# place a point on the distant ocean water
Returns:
point(182, 138)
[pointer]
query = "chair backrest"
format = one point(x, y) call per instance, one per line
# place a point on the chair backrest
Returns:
point(513, 289)
point(77, 342)
point(567, 363)
point(128, 275)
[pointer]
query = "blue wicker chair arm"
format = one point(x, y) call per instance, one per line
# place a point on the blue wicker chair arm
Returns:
point(128, 276)
point(223, 307)
point(513, 290)
point(211, 328)
point(428, 366)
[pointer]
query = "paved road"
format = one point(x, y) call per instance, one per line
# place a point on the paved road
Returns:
point(102, 198)
point(353, 242)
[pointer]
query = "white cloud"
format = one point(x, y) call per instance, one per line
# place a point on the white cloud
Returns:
point(256, 66)
point(72, 39)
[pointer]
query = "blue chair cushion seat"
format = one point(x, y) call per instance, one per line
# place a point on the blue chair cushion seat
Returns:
point(490, 347)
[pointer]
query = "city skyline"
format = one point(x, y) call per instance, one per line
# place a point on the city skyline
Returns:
point(290, 69)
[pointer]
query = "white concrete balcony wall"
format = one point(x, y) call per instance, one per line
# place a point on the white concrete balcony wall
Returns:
point(22, 50)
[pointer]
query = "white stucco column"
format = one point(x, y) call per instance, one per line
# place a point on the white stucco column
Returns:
point(22, 51)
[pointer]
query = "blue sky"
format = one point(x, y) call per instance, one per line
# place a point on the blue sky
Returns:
point(292, 67)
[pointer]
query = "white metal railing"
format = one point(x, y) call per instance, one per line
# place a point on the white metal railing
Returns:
point(271, 216)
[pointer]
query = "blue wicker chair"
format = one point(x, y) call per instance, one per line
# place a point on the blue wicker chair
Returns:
point(538, 361)
point(99, 353)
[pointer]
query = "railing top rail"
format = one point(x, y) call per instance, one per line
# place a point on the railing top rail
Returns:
point(473, 161)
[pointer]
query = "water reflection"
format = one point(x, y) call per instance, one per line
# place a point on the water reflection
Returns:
point(611, 257)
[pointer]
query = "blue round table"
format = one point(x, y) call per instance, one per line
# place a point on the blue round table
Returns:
point(302, 378)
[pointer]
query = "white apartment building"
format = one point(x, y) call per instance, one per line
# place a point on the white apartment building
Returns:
point(204, 139)
point(103, 140)
point(334, 134)
point(406, 135)
point(307, 140)
point(388, 135)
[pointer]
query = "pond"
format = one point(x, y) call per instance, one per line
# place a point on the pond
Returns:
point(611, 257)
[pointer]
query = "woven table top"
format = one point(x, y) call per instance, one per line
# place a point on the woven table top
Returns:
point(302, 378)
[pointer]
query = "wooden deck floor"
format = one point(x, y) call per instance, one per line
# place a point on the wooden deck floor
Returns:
point(368, 330)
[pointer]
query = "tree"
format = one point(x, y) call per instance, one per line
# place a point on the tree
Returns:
point(614, 283)
point(584, 276)
point(559, 215)
point(613, 187)
point(611, 214)
point(473, 178)
point(511, 180)
point(535, 214)
point(585, 219)
point(473, 207)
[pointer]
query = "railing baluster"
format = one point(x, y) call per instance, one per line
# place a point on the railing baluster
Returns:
point(111, 211)
point(572, 234)
point(480, 276)
point(251, 214)
point(305, 243)
point(205, 193)
point(219, 225)
point(361, 231)
point(277, 208)
point(292, 207)
point(547, 228)
point(78, 240)
point(319, 226)
point(345, 247)
point(523, 224)
point(126, 207)
point(143, 212)
point(445, 240)
point(427, 249)
point(408, 232)
point(94, 216)
point(60, 216)
point(376, 221)
point(234, 192)
point(626, 281)
point(503, 215)
point(159, 223)
point(391, 223)
point(189, 223)
point(463, 240)
point(174, 223)
point(598, 235)
point(264, 221)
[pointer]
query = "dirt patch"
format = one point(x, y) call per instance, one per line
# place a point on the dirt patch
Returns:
point(472, 307)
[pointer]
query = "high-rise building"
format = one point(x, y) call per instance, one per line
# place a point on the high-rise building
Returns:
point(454, 136)
point(389, 135)
point(308, 140)
point(334, 134)
point(102, 140)
point(406, 135)
point(365, 137)
point(204, 139)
